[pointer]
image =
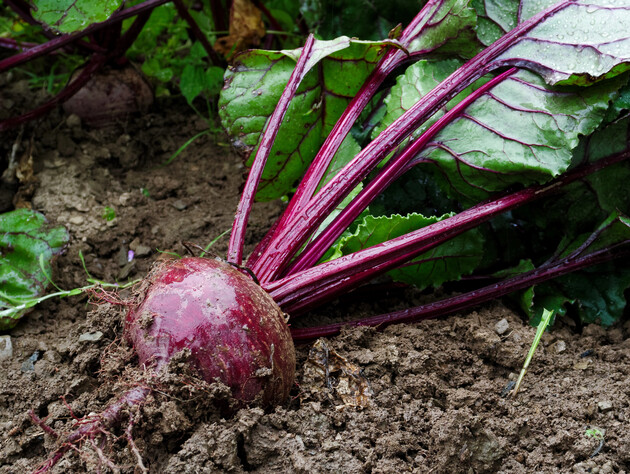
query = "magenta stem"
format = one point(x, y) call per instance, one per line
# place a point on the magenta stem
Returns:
point(9, 43)
point(237, 238)
point(314, 174)
point(96, 62)
point(63, 40)
point(309, 288)
point(398, 165)
point(465, 300)
point(182, 10)
point(322, 161)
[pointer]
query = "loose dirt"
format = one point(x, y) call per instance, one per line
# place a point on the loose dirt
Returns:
point(435, 392)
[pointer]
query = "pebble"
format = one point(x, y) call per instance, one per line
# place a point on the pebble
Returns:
point(126, 270)
point(29, 364)
point(91, 336)
point(560, 346)
point(140, 249)
point(121, 256)
point(65, 145)
point(124, 199)
point(143, 251)
point(502, 327)
point(583, 364)
point(6, 348)
point(73, 120)
point(605, 406)
point(76, 220)
point(180, 205)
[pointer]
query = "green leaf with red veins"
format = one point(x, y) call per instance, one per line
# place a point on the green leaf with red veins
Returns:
point(254, 84)
point(68, 16)
point(419, 79)
point(495, 18)
point(450, 29)
point(585, 41)
point(27, 246)
point(520, 132)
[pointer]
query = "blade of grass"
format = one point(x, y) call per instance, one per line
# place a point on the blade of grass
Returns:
point(544, 322)
point(170, 159)
point(214, 241)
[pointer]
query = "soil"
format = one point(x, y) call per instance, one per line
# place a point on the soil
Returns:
point(433, 395)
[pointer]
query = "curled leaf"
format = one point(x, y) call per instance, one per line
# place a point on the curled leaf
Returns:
point(246, 29)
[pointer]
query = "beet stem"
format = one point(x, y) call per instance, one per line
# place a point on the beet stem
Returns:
point(466, 300)
point(96, 62)
point(314, 174)
point(198, 34)
point(60, 41)
point(308, 288)
point(237, 238)
point(398, 165)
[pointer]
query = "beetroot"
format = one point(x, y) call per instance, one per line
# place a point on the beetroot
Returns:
point(111, 95)
point(233, 329)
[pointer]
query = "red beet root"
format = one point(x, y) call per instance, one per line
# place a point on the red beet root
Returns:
point(233, 329)
point(111, 95)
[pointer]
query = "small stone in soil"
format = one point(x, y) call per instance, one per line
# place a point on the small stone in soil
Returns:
point(560, 346)
point(139, 249)
point(121, 256)
point(73, 120)
point(143, 250)
point(29, 364)
point(605, 406)
point(91, 336)
point(180, 205)
point(6, 348)
point(583, 364)
point(65, 145)
point(502, 327)
point(126, 270)
point(507, 389)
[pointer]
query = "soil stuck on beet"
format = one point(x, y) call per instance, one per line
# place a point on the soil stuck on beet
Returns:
point(437, 404)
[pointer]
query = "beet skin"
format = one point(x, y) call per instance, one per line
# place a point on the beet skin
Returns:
point(233, 329)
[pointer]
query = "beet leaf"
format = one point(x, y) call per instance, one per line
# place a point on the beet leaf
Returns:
point(71, 16)
point(254, 84)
